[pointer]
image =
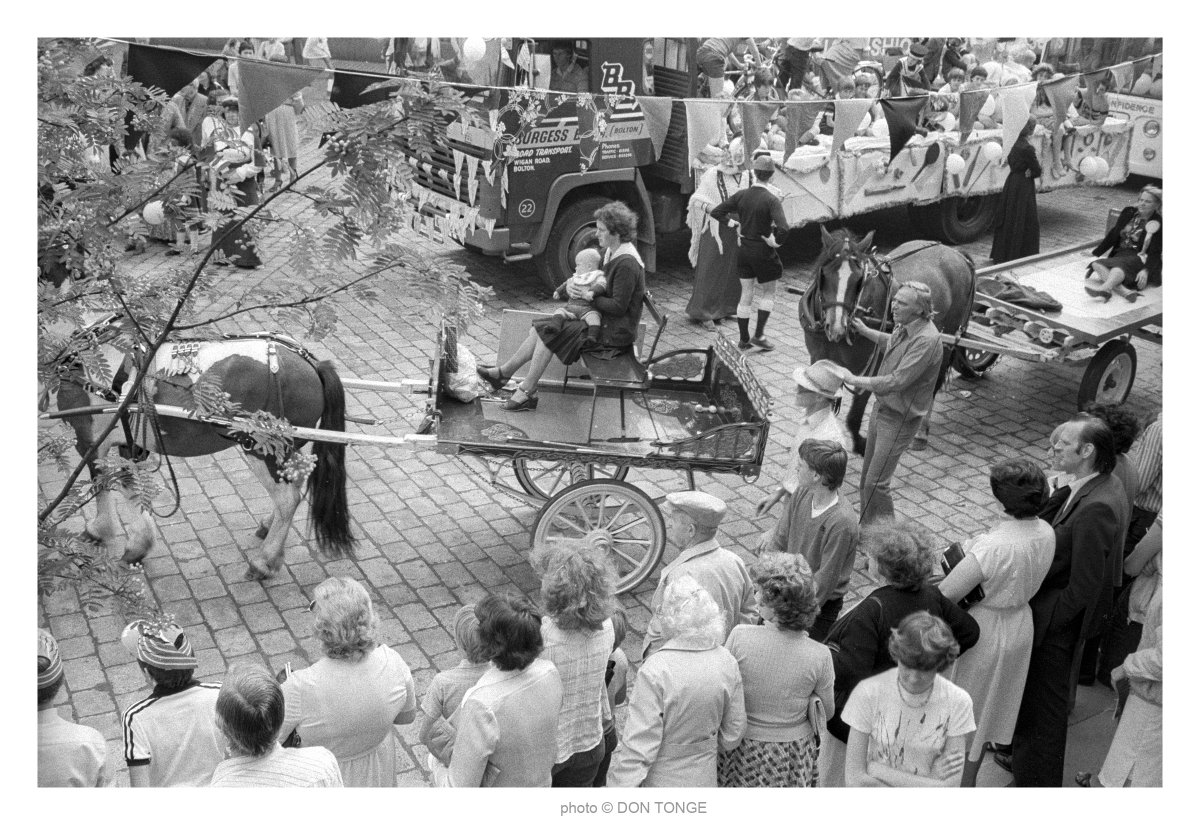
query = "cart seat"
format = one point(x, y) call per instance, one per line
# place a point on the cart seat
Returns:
point(626, 372)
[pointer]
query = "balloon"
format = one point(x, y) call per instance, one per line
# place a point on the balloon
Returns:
point(153, 213)
point(955, 164)
point(992, 151)
point(1101, 169)
point(1088, 167)
point(474, 49)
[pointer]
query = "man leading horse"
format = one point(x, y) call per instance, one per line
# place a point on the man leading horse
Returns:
point(845, 318)
point(903, 387)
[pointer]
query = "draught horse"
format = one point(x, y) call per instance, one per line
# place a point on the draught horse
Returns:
point(268, 372)
point(852, 280)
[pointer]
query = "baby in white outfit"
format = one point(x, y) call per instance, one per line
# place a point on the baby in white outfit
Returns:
point(588, 275)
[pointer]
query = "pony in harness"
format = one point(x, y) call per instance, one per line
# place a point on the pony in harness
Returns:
point(265, 373)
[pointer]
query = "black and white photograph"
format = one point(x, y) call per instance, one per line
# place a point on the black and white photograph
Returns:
point(600, 412)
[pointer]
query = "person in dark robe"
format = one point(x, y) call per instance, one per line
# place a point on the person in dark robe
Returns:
point(1017, 232)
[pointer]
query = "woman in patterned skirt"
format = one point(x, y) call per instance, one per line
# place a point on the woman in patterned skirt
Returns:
point(784, 674)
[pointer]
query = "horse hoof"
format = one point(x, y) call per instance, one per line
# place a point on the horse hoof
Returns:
point(920, 444)
point(262, 531)
point(253, 574)
point(134, 557)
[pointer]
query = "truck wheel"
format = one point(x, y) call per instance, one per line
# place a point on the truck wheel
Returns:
point(959, 220)
point(574, 229)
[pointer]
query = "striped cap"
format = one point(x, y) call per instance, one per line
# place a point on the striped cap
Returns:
point(48, 650)
point(167, 648)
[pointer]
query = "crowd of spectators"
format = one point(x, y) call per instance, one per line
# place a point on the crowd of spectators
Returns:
point(751, 674)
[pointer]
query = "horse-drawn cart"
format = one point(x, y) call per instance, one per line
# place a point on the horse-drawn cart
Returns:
point(689, 410)
point(1086, 332)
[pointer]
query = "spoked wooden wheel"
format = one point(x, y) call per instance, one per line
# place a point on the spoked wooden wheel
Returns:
point(621, 514)
point(544, 479)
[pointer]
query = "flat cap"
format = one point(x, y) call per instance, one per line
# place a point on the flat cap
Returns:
point(704, 509)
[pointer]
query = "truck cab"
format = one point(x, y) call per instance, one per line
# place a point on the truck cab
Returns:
point(537, 171)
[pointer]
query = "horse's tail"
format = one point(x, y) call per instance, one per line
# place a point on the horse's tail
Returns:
point(328, 511)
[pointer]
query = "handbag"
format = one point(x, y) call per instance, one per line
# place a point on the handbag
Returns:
point(950, 559)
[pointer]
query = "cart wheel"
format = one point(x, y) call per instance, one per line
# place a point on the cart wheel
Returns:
point(973, 363)
point(613, 510)
point(1109, 375)
point(546, 478)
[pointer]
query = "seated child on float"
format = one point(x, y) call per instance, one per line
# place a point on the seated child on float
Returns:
point(587, 275)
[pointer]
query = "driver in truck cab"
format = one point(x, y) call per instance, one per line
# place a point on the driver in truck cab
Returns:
point(566, 75)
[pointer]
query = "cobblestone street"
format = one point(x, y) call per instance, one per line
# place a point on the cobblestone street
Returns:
point(435, 534)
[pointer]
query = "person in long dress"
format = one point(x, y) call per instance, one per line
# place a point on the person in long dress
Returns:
point(713, 252)
point(349, 700)
point(234, 183)
point(1018, 232)
point(1009, 561)
point(285, 138)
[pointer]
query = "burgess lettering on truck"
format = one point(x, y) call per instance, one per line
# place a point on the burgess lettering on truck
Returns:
point(580, 133)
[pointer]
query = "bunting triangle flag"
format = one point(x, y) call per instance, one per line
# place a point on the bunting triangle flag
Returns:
point(1141, 66)
point(970, 104)
point(472, 178)
point(901, 114)
point(489, 225)
point(1123, 77)
point(801, 115)
point(847, 114)
point(265, 86)
point(504, 188)
point(1092, 78)
point(1015, 103)
point(1061, 94)
point(488, 172)
point(168, 69)
point(756, 118)
point(349, 90)
point(459, 156)
point(705, 125)
point(658, 119)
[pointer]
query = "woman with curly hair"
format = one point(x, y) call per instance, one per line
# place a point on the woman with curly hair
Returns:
point(349, 700)
point(687, 702)
point(783, 672)
point(909, 725)
point(902, 555)
point(1009, 562)
point(579, 597)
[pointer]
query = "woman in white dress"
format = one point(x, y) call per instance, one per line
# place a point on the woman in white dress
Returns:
point(1009, 562)
point(350, 700)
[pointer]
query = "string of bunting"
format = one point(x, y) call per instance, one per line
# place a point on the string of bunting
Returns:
point(268, 84)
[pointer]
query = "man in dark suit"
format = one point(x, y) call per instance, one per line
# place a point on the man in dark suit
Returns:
point(1087, 518)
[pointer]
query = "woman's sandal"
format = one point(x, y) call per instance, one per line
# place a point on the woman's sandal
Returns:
point(496, 383)
point(529, 402)
point(1098, 293)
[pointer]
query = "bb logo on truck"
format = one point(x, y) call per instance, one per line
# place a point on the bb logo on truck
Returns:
point(526, 208)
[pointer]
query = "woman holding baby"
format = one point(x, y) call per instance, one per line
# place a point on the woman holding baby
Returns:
point(618, 299)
